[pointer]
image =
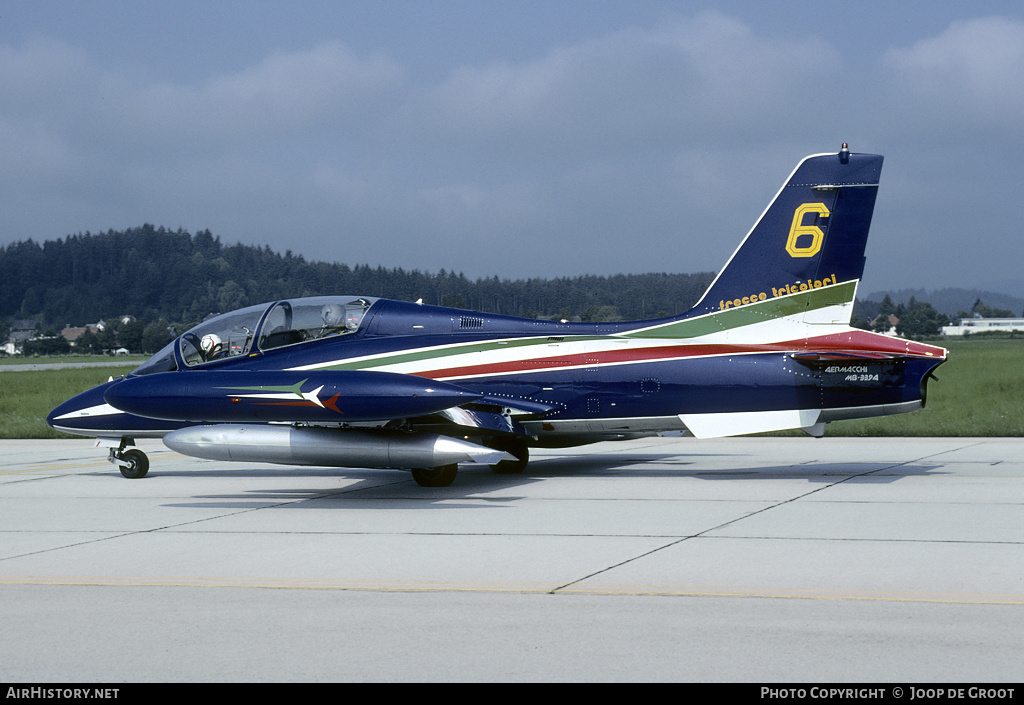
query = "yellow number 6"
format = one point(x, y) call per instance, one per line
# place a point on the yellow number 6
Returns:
point(798, 229)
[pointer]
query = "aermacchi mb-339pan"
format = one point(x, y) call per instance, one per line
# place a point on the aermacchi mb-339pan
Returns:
point(363, 382)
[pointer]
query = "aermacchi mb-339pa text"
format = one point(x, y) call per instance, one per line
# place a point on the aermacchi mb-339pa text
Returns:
point(364, 382)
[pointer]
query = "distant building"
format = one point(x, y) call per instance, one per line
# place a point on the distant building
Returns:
point(967, 326)
point(73, 333)
point(890, 329)
point(20, 332)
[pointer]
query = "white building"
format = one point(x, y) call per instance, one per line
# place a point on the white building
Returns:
point(982, 325)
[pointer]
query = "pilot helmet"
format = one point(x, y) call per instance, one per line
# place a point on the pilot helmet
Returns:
point(333, 315)
point(210, 343)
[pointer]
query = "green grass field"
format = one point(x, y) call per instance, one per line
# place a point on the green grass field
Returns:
point(27, 397)
point(979, 392)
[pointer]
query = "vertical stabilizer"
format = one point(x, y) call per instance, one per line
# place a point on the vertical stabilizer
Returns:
point(811, 236)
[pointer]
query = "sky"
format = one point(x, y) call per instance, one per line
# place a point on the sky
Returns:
point(518, 138)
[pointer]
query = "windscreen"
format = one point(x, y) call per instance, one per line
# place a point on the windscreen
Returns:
point(221, 337)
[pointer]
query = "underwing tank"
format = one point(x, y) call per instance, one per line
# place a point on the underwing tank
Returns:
point(331, 447)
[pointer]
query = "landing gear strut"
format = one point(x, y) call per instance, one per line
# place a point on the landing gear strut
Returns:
point(132, 463)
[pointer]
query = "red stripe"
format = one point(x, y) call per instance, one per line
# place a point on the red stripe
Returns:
point(866, 342)
point(856, 341)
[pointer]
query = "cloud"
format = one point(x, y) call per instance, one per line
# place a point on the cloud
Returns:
point(971, 74)
point(620, 136)
point(325, 87)
point(690, 78)
point(647, 148)
point(91, 147)
point(54, 88)
point(45, 90)
point(32, 73)
point(947, 113)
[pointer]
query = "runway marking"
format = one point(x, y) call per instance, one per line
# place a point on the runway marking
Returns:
point(64, 467)
point(610, 590)
point(356, 586)
point(951, 599)
point(69, 465)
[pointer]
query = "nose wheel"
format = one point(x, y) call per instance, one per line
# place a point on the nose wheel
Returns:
point(133, 463)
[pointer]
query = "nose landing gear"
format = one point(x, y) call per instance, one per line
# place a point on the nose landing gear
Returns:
point(133, 463)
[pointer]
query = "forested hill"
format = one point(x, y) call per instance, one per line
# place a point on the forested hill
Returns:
point(156, 274)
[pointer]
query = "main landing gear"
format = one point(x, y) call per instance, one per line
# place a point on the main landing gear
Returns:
point(132, 463)
point(435, 477)
point(444, 475)
point(518, 450)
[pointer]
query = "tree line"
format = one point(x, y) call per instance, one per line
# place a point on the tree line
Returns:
point(916, 318)
point(169, 280)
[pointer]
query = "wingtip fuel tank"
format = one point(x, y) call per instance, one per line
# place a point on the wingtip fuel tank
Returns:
point(230, 396)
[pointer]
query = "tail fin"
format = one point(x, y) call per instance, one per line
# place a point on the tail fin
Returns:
point(811, 236)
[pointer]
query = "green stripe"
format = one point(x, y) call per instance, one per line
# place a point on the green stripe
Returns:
point(791, 305)
point(439, 354)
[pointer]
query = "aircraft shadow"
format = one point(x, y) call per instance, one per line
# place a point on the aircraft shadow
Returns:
point(368, 488)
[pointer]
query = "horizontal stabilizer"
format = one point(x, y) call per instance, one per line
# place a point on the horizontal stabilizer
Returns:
point(743, 422)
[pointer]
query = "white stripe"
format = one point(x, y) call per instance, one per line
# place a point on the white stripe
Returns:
point(794, 327)
point(101, 410)
point(407, 351)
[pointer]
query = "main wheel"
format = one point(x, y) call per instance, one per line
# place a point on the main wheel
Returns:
point(435, 477)
point(520, 451)
point(137, 464)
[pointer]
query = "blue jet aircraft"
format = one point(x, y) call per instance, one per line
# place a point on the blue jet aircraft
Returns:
point(358, 381)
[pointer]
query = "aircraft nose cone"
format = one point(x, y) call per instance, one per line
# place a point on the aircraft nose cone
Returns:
point(52, 416)
point(83, 414)
point(89, 414)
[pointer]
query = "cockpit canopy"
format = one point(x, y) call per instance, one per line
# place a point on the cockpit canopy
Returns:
point(261, 328)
